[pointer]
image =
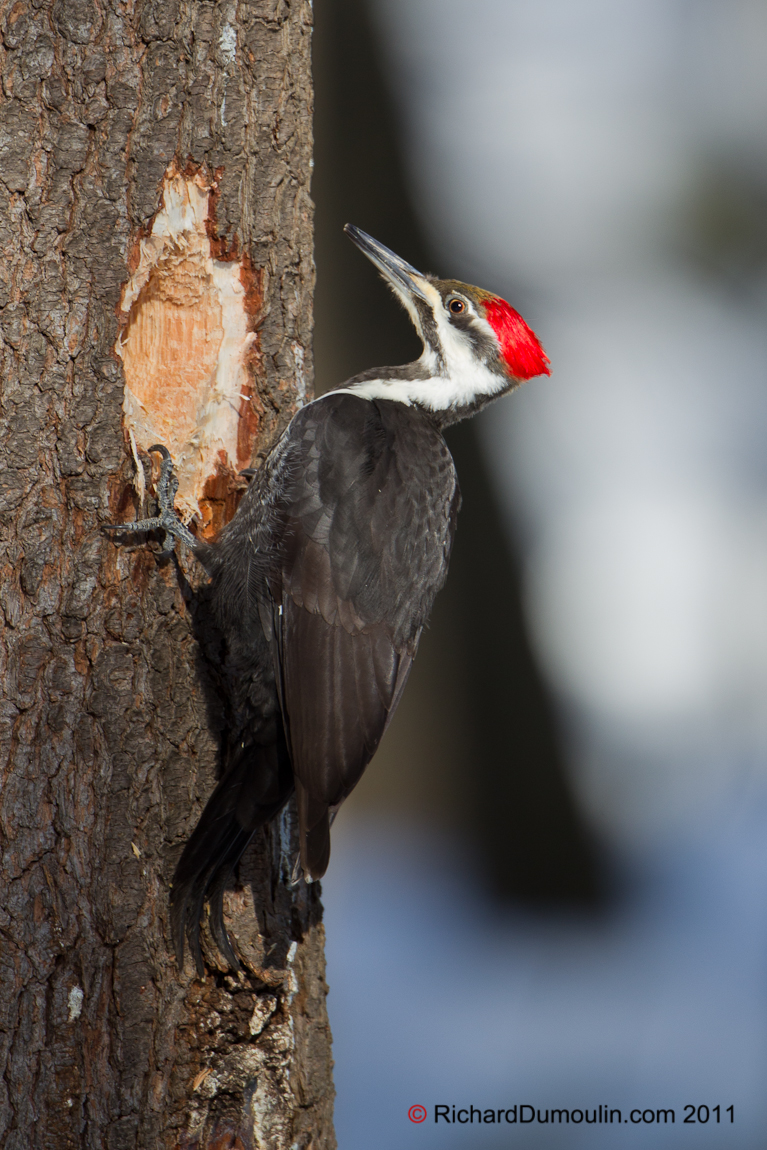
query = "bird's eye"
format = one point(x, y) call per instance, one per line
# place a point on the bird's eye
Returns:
point(457, 306)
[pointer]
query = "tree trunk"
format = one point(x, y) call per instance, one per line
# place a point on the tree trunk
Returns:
point(155, 286)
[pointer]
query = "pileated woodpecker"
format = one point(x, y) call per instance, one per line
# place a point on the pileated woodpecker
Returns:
point(324, 579)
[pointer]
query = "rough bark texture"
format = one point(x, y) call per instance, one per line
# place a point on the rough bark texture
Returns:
point(112, 709)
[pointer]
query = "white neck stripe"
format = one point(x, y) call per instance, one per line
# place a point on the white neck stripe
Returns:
point(458, 380)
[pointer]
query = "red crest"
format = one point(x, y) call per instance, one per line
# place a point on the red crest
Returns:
point(520, 347)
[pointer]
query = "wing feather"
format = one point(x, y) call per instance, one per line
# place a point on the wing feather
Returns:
point(366, 527)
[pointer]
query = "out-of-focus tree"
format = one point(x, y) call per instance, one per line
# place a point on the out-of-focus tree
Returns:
point(475, 740)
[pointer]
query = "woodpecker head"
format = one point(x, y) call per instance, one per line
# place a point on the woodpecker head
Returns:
point(476, 348)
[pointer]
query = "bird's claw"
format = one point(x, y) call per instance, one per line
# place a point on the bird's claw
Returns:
point(166, 520)
point(297, 874)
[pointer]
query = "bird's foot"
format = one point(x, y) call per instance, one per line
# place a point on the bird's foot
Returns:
point(166, 520)
point(297, 873)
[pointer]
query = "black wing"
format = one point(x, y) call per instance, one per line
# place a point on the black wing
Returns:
point(331, 563)
point(370, 501)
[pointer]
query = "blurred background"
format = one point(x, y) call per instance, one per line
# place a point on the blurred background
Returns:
point(550, 887)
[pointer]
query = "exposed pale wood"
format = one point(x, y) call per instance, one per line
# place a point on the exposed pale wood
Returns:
point(110, 718)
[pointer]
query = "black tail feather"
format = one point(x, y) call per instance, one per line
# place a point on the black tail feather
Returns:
point(314, 821)
point(216, 918)
point(257, 785)
point(189, 895)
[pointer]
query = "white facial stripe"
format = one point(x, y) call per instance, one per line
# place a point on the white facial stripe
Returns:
point(452, 337)
point(437, 394)
point(469, 381)
point(431, 294)
point(457, 382)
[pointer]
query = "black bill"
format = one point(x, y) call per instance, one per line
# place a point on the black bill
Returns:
point(397, 271)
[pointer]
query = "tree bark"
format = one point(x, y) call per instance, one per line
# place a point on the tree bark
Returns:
point(155, 224)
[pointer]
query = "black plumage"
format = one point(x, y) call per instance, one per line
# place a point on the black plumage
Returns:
point(322, 584)
point(326, 575)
